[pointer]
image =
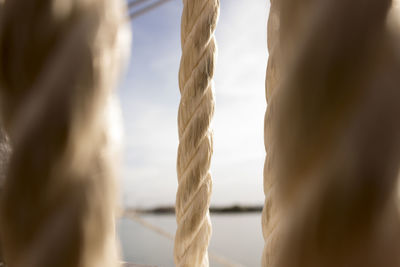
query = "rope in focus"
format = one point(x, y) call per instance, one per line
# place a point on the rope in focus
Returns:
point(196, 109)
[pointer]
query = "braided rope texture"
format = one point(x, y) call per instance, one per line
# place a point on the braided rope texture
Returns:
point(334, 122)
point(196, 109)
point(269, 214)
point(59, 60)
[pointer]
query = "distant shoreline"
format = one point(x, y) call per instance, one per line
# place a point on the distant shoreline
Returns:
point(216, 210)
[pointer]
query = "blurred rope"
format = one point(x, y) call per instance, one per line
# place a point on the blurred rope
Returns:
point(332, 135)
point(59, 62)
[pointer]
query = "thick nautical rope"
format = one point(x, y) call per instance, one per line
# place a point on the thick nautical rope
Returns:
point(337, 167)
point(58, 64)
point(196, 110)
point(269, 215)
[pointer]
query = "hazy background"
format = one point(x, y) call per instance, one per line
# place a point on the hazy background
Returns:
point(149, 96)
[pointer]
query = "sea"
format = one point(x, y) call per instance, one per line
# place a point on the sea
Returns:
point(148, 239)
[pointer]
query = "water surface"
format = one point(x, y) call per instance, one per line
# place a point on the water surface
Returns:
point(236, 238)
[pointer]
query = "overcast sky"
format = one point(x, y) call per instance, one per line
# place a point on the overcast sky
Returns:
point(149, 96)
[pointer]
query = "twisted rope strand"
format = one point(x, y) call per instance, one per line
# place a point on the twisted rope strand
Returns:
point(269, 214)
point(196, 110)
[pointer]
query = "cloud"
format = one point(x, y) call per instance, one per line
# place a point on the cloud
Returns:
point(239, 82)
point(150, 97)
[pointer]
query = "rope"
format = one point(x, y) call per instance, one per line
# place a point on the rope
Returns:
point(146, 9)
point(58, 63)
point(285, 31)
point(331, 189)
point(135, 3)
point(269, 214)
point(196, 110)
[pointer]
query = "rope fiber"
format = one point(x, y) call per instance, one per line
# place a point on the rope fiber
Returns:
point(196, 109)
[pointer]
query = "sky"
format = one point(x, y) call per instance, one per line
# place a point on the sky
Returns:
point(149, 97)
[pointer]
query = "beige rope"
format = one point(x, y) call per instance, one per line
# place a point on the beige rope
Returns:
point(58, 64)
point(335, 138)
point(287, 24)
point(269, 215)
point(196, 109)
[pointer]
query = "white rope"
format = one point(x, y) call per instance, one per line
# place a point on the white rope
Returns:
point(59, 60)
point(196, 109)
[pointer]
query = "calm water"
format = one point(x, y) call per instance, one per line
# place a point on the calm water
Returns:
point(236, 238)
